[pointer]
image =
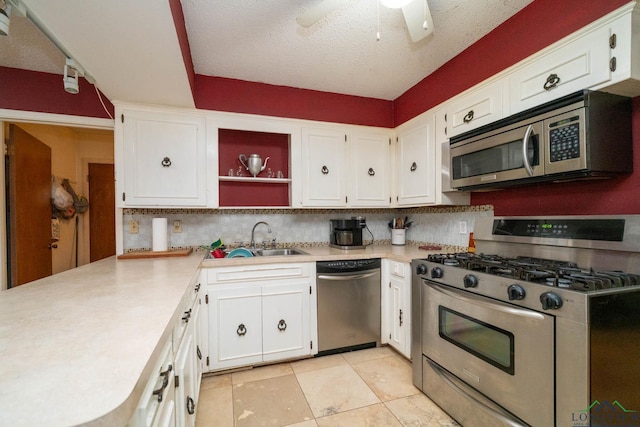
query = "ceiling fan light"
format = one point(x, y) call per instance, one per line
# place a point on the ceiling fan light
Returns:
point(395, 4)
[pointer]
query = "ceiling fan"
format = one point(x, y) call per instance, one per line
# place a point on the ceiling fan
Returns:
point(416, 15)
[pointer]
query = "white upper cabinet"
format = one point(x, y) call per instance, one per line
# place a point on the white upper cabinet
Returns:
point(370, 170)
point(579, 64)
point(474, 109)
point(416, 164)
point(344, 167)
point(165, 159)
point(323, 171)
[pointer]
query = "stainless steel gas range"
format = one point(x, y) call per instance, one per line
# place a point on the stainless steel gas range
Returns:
point(540, 327)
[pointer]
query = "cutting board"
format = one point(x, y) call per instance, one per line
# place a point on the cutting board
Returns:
point(151, 254)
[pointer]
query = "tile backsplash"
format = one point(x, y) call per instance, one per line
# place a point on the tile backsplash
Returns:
point(290, 227)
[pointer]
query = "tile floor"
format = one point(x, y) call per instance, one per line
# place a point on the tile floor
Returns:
point(370, 387)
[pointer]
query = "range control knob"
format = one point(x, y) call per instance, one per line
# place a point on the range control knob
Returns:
point(421, 269)
point(550, 301)
point(516, 292)
point(437, 273)
point(470, 281)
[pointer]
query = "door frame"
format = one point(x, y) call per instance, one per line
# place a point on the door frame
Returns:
point(17, 116)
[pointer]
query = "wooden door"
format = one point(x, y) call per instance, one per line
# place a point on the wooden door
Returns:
point(102, 216)
point(29, 207)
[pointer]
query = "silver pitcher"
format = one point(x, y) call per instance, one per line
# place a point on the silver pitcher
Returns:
point(253, 163)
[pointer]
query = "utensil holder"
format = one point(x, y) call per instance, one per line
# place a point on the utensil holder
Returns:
point(398, 236)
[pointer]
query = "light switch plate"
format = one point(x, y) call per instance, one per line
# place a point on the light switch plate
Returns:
point(177, 226)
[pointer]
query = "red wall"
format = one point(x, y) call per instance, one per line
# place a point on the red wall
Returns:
point(44, 92)
point(239, 96)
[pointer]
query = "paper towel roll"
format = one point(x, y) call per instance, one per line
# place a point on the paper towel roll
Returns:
point(160, 243)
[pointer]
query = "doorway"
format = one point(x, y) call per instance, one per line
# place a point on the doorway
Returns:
point(70, 149)
point(28, 173)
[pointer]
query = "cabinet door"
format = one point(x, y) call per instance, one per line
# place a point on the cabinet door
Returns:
point(323, 172)
point(370, 170)
point(185, 377)
point(475, 109)
point(235, 335)
point(285, 320)
point(397, 305)
point(580, 64)
point(164, 159)
point(397, 317)
point(416, 166)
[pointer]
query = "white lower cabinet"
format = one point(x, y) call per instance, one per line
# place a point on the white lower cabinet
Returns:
point(260, 313)
point(235, 331)
point(170, 397)
point(396, 305)
point(285, 321)
point(157, 402)
point(187, 375)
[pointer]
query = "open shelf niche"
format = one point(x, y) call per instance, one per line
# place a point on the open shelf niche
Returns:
point(246, 190)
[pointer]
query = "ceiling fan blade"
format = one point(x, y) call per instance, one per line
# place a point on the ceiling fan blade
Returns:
point(414, 16)
point(319, 11)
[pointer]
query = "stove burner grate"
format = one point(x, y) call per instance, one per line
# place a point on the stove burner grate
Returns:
point(554, 273)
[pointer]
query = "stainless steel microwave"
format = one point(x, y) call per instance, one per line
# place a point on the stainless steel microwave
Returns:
point(583, 135)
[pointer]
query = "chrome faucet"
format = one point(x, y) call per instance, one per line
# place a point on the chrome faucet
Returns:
point(253, 242)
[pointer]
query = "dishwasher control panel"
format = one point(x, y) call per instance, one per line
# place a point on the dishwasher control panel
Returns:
point(347, 265)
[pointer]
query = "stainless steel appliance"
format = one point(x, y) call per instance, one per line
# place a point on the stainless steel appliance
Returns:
point(583, 135)
point(347, 233)
point(348, 305)
point(541, 327)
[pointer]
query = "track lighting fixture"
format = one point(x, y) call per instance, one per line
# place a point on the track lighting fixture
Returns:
point(72, 71)
point(5, 18)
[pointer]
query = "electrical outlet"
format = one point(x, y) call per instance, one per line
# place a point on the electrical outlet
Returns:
point(177, 226)
point(463, 227)
point(134, 227)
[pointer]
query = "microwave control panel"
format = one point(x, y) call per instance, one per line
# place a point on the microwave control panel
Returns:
point(564, 139)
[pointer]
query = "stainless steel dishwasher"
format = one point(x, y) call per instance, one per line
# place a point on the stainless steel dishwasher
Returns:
point(348, 305)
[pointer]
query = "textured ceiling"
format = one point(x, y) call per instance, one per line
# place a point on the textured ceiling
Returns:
point(260, 41)
point(132, 51)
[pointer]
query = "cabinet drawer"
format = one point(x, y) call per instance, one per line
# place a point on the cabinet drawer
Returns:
point(580, 64)
point(257, 273)
point(397, 268)
point(478, 108)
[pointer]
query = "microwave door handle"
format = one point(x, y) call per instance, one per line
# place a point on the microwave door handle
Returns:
point(525, 149)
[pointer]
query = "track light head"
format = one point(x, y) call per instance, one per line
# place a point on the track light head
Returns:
point(5, 19)
point(72, 71)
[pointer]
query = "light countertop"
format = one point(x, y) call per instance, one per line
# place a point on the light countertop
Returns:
point(78, 347)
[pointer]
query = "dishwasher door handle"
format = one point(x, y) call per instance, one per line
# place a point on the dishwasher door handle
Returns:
point(350, 277)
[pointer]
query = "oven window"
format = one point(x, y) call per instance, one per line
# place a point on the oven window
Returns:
point(489, 343)
point(500, 158)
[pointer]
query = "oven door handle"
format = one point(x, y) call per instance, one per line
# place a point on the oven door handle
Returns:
point(470, 394)
point(350, 277)
point(525, 148)
point(472, 299)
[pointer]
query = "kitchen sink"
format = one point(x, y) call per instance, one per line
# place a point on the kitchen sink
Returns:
point(279, 252)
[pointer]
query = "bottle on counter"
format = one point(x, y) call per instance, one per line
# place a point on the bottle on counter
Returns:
point(472, 244)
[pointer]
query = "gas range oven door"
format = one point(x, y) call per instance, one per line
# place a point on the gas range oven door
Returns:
point(476, 344)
